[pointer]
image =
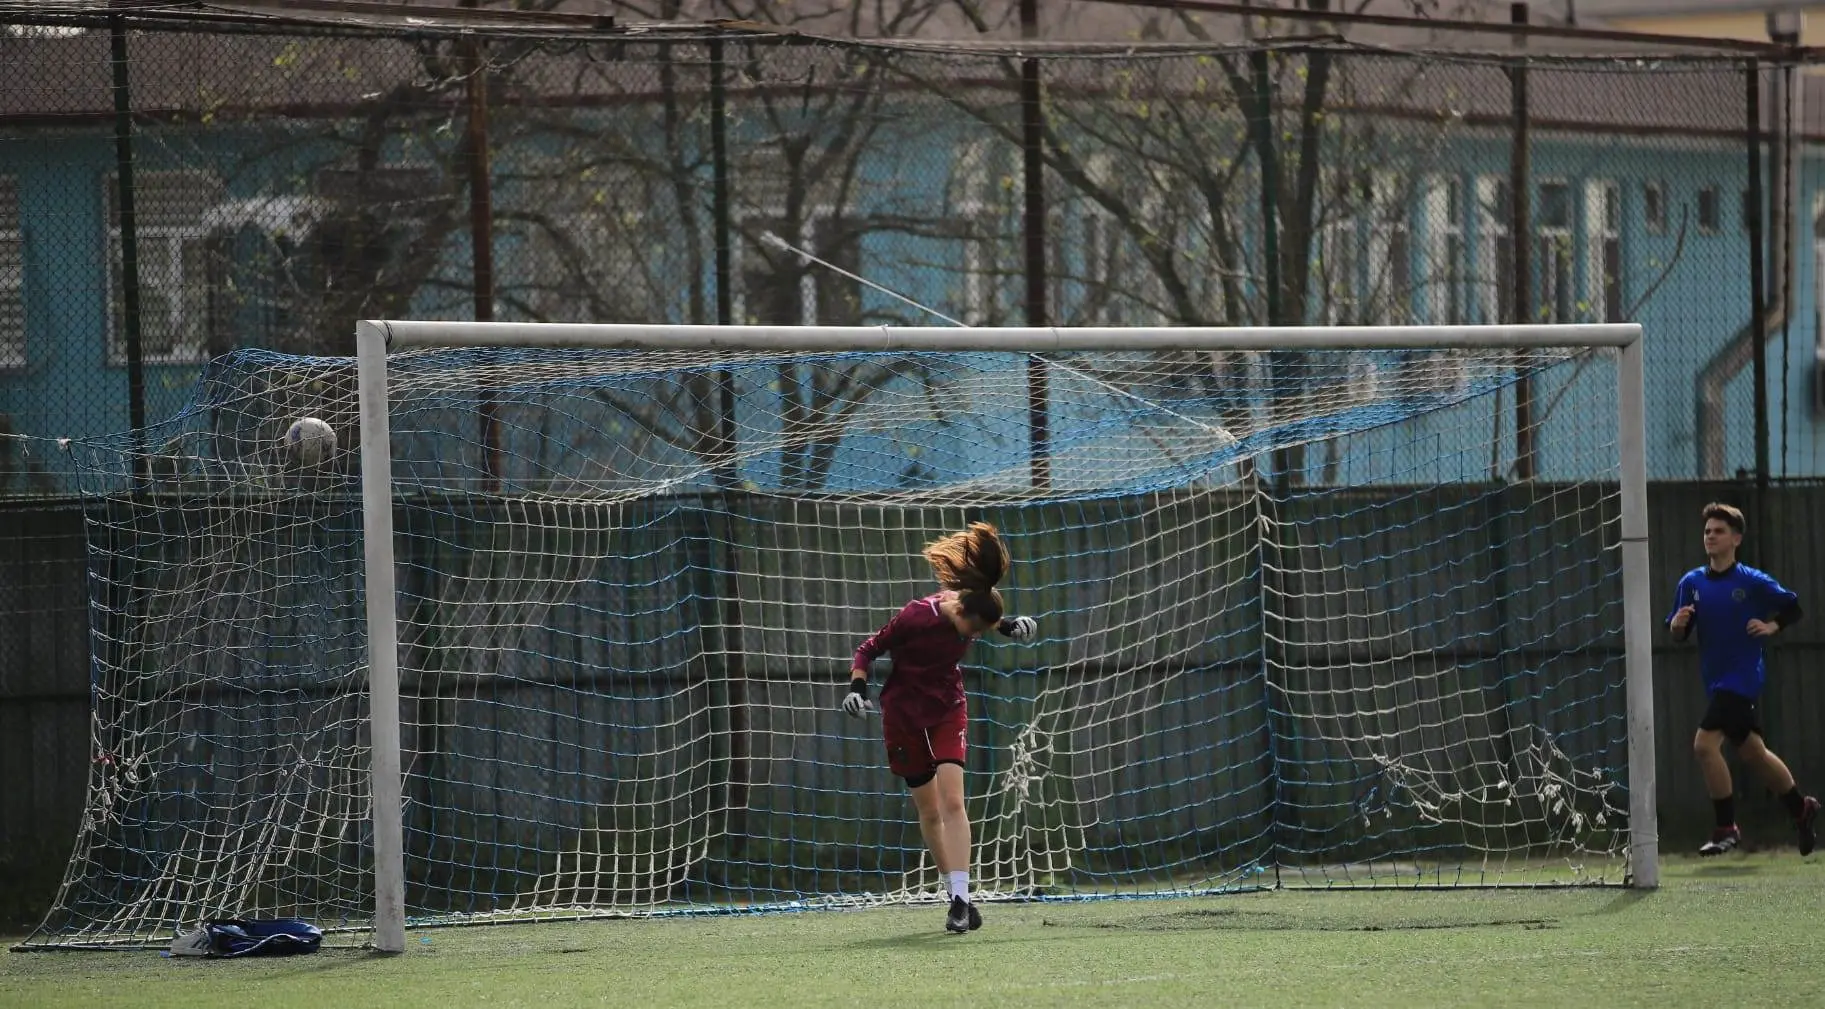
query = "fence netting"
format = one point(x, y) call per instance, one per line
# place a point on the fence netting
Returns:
point(289, 179)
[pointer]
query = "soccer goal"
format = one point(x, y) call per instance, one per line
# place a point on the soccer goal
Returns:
point(551, 621)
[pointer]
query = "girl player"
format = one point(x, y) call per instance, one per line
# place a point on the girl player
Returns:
point(923, 720)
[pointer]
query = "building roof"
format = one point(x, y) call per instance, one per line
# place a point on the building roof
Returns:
point(219, 73)
point(1612, 9)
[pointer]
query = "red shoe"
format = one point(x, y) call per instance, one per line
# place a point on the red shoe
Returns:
point(1809, 813)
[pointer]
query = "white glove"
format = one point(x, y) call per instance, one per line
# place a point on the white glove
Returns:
point(1020, 628)
point(855, 704)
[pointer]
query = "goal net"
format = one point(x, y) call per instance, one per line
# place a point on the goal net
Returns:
point(1345, 609)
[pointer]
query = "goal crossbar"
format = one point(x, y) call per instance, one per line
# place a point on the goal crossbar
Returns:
point(399, 335)
point(374, 339)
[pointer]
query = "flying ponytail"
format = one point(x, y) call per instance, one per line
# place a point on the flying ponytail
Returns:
point(972, 562)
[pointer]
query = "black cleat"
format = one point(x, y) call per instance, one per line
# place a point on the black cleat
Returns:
point(976, 916)
point(958, 920)
point(1809, 815)
point(1722, 839)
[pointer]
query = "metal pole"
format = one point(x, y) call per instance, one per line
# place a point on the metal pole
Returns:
point(386, 785)
point(1784, 28)
point(1032, 135)
point(1758, 280)
point(734, 663)
point(1261, 128)
point(1637, 619)
point(1261, 124)
point(481, 190)
point(131, 319)
point(722, 227)
point(1520, 201)
point(1270, 183)
point(481, 233)
point(719, 184)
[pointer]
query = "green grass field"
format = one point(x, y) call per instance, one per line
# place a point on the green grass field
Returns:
point(1744, 929)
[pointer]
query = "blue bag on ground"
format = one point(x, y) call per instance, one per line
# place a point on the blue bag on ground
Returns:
point(230, 937)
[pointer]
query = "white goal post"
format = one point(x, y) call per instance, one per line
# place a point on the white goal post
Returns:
point(375, 340)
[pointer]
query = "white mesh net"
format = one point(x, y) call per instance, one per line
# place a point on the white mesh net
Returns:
point(1299, 622)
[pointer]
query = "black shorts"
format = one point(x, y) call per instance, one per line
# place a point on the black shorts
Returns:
point(1733, 715)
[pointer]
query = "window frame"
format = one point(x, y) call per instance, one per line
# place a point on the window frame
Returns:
point(1495, 249)
point(1603, 236)
point(1555, 293)
point(1107, 258)
point(190, 337)
point(979, 300)
point(13, 348)
point(1654, 207)
point(1713, 194)
point(1447, 234)
point(1390, 294)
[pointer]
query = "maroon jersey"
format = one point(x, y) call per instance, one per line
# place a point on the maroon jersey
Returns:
point(926, 684)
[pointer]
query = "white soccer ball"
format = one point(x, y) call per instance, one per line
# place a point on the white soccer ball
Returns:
point(310, 441)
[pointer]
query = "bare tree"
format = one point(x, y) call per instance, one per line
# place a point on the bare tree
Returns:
point(1174, 178)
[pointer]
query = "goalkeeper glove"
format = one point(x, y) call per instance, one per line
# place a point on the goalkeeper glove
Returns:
point(855, 705)
point(1019, 628)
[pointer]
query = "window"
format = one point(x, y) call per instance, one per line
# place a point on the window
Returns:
point(1749, 210)
point(12, 277)
point(1708, 210)
point(1111, 273)
point(984, 202)
point(1390, 252)
point(1495, 251)
point(1446, 276)
point(1445, 254)
point(173, 266)
point(1098, 275)
point(40, 31)
point(1145, 301)
point(1654, 207)
point(1344, 200)
point(1603, 257)
point(1555, 207)
point(1553, 254)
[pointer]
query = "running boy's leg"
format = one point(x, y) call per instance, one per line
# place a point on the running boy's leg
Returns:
point(1803, 808)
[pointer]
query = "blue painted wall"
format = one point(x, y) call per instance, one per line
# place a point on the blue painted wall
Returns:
point(1699, 301)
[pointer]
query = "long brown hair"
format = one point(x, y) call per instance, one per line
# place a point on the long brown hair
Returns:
point(971, 562)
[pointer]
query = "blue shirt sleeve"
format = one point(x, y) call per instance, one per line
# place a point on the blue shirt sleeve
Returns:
point(1682, 596)
point(1779, 602)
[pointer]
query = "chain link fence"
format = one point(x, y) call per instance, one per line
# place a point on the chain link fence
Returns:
point(286, 180)
point(174, 188)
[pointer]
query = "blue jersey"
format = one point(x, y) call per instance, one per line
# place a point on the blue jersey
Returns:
point(1725, 601)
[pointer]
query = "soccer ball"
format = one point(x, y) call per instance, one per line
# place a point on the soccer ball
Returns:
point(310, 441)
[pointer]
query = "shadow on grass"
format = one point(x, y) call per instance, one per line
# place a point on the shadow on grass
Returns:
point(353, 958)
point(1716, 870)
point(1623, 901)
point(325, 960)
point(909, 940)
point(1251, 920)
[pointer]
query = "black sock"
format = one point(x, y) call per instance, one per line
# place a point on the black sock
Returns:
point(1726, 811)
point(1794, 801)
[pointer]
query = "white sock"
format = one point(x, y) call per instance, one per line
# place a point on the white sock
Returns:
point(960, 884)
